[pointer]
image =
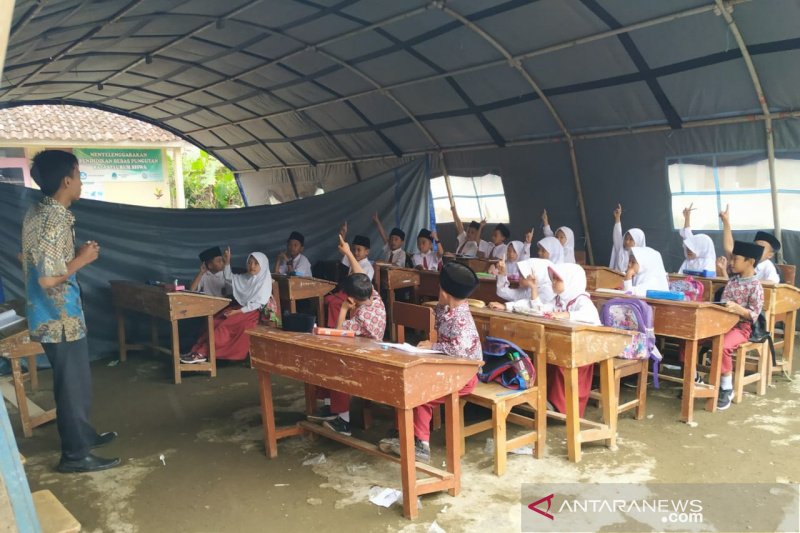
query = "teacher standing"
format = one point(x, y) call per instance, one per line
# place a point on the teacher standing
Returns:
point(54, 307)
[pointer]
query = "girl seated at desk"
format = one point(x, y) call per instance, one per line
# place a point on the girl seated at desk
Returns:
point(251, 292)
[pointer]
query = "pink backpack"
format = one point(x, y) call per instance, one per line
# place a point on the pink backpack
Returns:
point(691, 288)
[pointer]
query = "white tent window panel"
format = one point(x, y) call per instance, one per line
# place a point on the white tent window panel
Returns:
point(745, 188)
point(476, 198)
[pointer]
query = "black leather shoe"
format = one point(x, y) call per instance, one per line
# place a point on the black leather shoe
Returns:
point(90, 463)
point(104, 438)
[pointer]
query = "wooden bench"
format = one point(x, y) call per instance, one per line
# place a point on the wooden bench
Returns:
point(53, 516)
point(759, 366)
point(501, 400)
point(16, 347)
point(622, 369)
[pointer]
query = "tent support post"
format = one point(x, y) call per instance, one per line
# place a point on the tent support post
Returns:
point(581, 205)
point(447, 181)
point(725, 9)
point(6, 14)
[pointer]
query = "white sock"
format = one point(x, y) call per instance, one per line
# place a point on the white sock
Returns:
point(425, 443)
point(726, 383)
point(326, 401)
point(345, 416)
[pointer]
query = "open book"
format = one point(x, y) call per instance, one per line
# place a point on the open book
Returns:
point(408, 348)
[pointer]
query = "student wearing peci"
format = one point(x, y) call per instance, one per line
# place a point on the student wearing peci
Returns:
point(457, 337)
point(426, 258)
point(360, 249)
point(210, 279)
point(393, 252)
point(765, 268)
point(469, 239)
point(292, 262)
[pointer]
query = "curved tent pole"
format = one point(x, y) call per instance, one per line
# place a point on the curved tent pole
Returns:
point(725, 10)
point(517, 64)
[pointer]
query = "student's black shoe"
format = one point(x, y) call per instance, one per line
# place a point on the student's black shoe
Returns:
point(321, 415)
point(104, 438)
point(725, 398)
point(90, 463)
point(339, 425)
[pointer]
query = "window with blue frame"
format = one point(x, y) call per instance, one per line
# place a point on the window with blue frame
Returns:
point(476, 198)
point(711, 182)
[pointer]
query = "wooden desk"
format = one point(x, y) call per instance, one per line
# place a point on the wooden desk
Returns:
point(358, 366)
point(599, 277)
point(294, 288)
point(429, 287)
point(393, 278)
point(476, 264)
point(690, 322)
point(15, 345)
point(571, 345)
point(785, 303)
point(170, 306)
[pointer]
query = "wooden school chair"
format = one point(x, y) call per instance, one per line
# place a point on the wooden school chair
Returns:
point(757, 366)
point(788, 273)
point(501, 401)
point(624, 368)
point(419, 318)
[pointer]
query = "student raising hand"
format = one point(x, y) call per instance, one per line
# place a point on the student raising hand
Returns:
point(226, 256)
point(501, 267)
point(545, 219)
point(529, 236)
point(618, 213)
point(343, 229)
point(344, 246)
point(724, 215)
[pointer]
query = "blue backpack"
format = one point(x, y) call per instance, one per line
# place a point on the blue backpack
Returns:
point(634, 315)
point(499, 366)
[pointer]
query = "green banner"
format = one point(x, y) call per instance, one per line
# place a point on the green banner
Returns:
point(114, 164)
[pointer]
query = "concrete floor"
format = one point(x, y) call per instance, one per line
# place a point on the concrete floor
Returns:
point(217, 478)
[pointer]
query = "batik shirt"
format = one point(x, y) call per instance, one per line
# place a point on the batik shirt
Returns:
point(369, 319)
point(48, 244)
point(456, 332)
point(746, 292)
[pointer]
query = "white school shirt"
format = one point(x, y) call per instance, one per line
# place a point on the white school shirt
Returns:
point(395, 257)
point(214, 284)
point(522, 295)
point(429, 261)
point(366, 266)
point(766, 271)
point(498, 251)
point(300, 264)
point(471, 248)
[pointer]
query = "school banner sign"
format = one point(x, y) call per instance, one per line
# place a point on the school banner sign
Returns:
point(113, 164)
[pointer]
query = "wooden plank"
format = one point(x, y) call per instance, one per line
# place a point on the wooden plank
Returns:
point(598, 277)
point(53, 516)
point(7, 388)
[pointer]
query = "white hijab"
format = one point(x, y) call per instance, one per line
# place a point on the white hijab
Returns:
point(621, 257)
point(574, 278)
point(511, 266)
point(554, 248)
point(249, 289)
point(543, 284)
point(652, 275)
point(569, 246)
point(703, 248)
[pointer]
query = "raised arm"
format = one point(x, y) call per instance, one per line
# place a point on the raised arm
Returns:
point(87, 254)
point(438, 243)
point(548, 232)
point(616, 234)
point(344, 249)
point(198, 277)
point(686, 232)
point(377, 220)
point(727, 234)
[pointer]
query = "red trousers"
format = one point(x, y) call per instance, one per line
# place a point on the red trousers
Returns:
point(556, 390)
point(230, 340)
point(424, 413)
point(340, 402)
point(333, 304)
point(737, 336)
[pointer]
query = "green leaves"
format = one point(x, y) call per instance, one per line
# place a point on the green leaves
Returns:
point(208, 184)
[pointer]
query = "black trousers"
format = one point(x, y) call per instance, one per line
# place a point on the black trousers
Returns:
point(72, 387)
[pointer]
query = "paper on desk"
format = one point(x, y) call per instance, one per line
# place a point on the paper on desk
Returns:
point(408, 348)
point(610, 291)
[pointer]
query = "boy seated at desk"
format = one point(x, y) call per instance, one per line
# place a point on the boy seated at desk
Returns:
point(292, 262)
point(743, 295)
point(426, 258)
point(458, 337)
point(765, 268)
point(211, 279)
point(500, 236)
point(369, 320)
point(469, 241)
point(360, 253)
point(393, 252)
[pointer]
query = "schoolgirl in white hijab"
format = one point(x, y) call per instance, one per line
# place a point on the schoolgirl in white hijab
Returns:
point(623, 243)
point(513, 256)
point(700, 254)
point(564, 235)
point(571, 299)
point(539, 287)
point(645, 272)
point(251, 291)
point(551, 248)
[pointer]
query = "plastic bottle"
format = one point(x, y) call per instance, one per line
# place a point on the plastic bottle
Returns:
point(522, 372)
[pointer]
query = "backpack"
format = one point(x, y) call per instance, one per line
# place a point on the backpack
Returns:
point(634, 315)
point(499, 367)
point(690, 287)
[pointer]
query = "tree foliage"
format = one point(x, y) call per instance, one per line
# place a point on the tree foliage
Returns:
point(207, 184)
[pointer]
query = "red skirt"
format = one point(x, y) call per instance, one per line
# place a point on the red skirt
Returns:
point(556, 391)
point(230, 340)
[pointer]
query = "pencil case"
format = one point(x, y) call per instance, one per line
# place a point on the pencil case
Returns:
point(331, 332)
point(666, 295)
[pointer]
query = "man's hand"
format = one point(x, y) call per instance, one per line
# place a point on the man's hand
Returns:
point(618, 213)
point(545, 220)
point(89, 252)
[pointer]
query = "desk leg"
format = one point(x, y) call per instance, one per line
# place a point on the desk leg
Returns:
point(22, 400)
point(689, 369)
point(33, 373)
point(408, 461)
point(573, 419)
point(292, 305)
point(176, 352)
point(610, 395)
point(453, 440)
point(714, 373)
point(154, 334)
point(267, 414)
point(212, 349)
point(788, 342)
point(123, 348)
point(390, 314)
point(321, 311)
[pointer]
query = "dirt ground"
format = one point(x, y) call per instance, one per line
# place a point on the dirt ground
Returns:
point(215, 476)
